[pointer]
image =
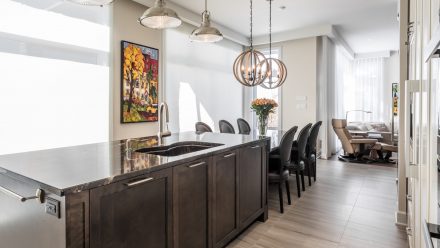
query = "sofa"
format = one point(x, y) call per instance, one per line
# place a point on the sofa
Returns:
point(371, 128)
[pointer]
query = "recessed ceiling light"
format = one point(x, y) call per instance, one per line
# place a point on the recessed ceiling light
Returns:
point(282, 7)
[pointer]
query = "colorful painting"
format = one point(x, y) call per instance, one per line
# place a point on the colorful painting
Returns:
point(395, 99)
point(140, 83)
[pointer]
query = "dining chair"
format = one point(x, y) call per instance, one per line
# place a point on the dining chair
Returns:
point(243, 126)
point(278, 164)
point(225, 127)
point(311, 147)
point(202, 127)
point(300, 158)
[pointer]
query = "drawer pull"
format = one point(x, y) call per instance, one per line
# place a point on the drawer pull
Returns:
point(196, 165)
point(39, 195)
point(409, 231)
point(229, 155)
point(255, 147)
point(139, 182)
point(409, 198)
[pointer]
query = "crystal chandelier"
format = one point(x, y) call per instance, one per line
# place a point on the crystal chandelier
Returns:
point(277, 74)
point(251, 66)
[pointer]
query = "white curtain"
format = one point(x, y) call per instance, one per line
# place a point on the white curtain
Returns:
point(366, 90)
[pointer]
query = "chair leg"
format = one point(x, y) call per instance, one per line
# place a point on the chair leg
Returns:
point(289, 200)
point(314, 170)
point(280, 192)
point(309, 165)
point(298, 187)
point(302, 180)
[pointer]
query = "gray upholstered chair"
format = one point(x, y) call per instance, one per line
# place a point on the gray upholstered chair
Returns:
point(279, 163)
point(311, 148)
point(202, 127)
point(243, 126)
point(226, 127)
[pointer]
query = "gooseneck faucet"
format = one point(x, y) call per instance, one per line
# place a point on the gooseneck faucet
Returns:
point(163, 121)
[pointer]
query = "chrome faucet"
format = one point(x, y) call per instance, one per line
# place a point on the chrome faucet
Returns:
point(163, 124)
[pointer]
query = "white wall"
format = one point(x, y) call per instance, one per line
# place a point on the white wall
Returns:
point(299, 92)
point(126, 27)
point(200, 85)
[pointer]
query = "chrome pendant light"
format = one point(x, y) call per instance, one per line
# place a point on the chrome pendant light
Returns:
point(92, 2)
point(277, 74)
point(160, 17)
point(206, 33)
point(251, 67)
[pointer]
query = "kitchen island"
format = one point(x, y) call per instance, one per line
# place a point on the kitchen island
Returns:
point(186, 190)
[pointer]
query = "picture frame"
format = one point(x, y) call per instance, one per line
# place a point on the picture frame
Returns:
point(139, 83)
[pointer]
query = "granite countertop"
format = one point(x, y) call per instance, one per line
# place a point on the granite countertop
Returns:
point(74, 169)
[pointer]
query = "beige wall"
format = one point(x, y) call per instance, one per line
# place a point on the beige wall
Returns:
point(299, 93)
point(126, 27)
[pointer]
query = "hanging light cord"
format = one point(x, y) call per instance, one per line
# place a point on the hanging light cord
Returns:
point(206, 5)
point(270, 28)
point(251, 26)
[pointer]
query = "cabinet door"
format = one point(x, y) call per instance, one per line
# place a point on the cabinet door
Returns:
point(224, 192)
point(132, 213)
point(190, 205)
point(251, 171)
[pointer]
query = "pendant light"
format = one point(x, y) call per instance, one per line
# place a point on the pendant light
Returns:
point(92, 2)
point(250, 67)
point(277, 74)
point(206, 33)
point(160, 17)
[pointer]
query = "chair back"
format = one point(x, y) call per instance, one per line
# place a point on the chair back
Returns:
point(202, 127)
point(340, 128)
point(286, 147)
point(225, 127)
point(243, 126)
point(313, 137)
point(303, 136)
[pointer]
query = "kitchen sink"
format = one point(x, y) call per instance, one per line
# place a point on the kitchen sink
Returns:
point(177, 149)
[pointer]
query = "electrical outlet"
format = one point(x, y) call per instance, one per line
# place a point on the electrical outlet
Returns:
point(53, 207)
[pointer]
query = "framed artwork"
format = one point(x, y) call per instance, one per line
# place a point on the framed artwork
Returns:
point(395, 91)
point(139, 83)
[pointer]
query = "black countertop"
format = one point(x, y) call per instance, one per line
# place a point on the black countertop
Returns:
point(74, 169)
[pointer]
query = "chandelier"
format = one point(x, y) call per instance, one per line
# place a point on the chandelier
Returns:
point(277, 74)
point(251, 66)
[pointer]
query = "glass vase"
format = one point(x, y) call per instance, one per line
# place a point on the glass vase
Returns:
point(262, 125)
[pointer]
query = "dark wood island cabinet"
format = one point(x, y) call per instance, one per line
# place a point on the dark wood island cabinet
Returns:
point(202, 199)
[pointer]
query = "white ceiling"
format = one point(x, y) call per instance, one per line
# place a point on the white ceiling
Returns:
point(366, 25)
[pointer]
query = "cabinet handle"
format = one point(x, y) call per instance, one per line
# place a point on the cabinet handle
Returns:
point(196, 165)
point(409, 198)
point(39, 195)
point(139, 182)
point(255, 147)
point(229, 155)
point(409, 231)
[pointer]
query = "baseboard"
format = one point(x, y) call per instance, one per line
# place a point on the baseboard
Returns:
point(401, 218)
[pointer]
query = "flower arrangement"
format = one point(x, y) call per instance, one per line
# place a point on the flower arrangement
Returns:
point(263, 107)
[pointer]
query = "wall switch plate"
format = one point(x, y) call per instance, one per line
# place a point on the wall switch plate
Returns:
point(53, 207)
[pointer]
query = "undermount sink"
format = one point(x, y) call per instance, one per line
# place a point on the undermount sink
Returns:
point(177, 149)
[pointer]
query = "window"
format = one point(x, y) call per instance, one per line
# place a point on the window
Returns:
point(54, 90)
point(274, 121)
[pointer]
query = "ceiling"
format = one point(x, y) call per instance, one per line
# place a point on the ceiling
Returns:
point(366, 25)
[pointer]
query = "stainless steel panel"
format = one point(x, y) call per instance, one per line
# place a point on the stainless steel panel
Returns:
point(26, 224)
